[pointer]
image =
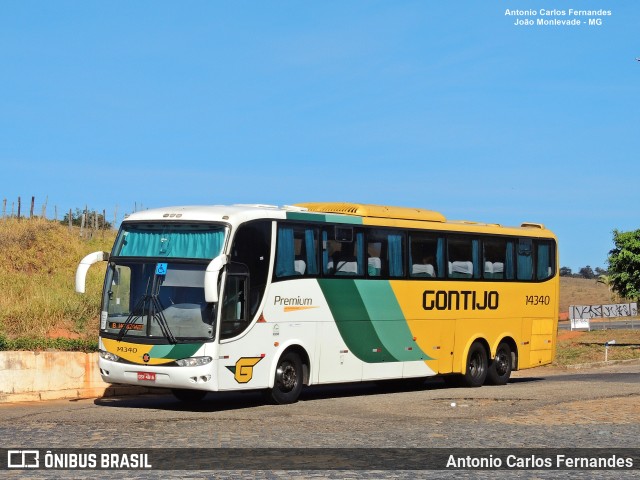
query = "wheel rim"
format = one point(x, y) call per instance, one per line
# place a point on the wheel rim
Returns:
point(287, 377)
point(502, 363)
point(476, 365)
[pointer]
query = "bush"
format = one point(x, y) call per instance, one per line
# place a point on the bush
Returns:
point(40, 344)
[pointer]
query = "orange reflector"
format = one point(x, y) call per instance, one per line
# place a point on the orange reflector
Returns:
point(261, 319)
point(415, 338)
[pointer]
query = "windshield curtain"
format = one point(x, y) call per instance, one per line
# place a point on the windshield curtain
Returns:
point(170, 241)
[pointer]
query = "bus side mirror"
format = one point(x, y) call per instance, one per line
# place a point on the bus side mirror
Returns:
point(211, 275)
point(83, 267)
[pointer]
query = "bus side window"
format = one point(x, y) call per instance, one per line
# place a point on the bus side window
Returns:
point(464, 257)
point(545, 260)
point(234, 318)
point(385, 253)
point(495, 258)
point(525, 259)
point(296, 251)
point(426, 256)
point(342, 255)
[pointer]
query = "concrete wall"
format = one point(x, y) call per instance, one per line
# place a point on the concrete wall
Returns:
point(33, 376)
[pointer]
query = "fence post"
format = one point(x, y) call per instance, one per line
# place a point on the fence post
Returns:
point(44, 207)
point(33, 202)
point(4, 208)
point(19, 206)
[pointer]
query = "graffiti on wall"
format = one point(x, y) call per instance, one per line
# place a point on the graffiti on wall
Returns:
point(603, 311)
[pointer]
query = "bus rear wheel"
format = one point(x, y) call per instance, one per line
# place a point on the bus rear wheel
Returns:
point(287, 384)
point(476, 367)
point(188, 396)
point(500, 367)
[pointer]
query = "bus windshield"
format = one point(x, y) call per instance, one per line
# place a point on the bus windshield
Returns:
point(157, 300)
point(154, 286)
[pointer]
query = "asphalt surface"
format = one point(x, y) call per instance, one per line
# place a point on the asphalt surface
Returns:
point(596, 407)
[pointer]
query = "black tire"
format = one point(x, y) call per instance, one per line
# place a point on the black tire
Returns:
point(288, 380)
point(188, 396)
point(476, 367)
point(500, 367)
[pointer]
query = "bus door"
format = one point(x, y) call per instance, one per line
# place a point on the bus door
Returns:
point(237, 357)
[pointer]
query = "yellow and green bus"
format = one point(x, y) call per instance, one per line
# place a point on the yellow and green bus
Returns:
point(240, 297)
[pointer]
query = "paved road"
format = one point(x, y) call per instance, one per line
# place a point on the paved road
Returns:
point(544, 407)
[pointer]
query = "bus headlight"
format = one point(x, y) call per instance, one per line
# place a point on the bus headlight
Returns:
point(193, 361)
point(109, 356)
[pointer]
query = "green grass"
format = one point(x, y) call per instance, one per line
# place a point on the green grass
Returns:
point(577, 347)
point(38, 259)
point(40, 344)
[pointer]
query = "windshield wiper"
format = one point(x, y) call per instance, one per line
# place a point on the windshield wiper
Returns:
point(158, 315)
point(155, 311)
point(138, 307)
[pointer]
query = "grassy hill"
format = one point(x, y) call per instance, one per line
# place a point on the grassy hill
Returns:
point(38, 259)
point(580, 291)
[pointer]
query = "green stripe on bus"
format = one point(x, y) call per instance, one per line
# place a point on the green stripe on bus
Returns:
point(325, 217)
point(353, 322)
point(388, 320)
point(174, 351)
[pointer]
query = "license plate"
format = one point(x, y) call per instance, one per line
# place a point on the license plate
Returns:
point(148, 376)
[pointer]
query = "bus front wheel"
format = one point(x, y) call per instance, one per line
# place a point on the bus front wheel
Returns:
point(476, 367)
point(287, 384)
point(500, 367)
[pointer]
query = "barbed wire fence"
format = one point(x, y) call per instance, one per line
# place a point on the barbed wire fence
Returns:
point(87, 220)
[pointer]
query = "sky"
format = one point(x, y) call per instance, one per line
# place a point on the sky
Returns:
point(447, 106)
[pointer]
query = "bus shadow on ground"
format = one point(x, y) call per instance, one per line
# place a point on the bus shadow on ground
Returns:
point(228, 401)
point(528, 379)
point(224, 401)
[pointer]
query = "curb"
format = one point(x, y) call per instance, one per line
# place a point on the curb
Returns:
point(598, 364)
point(27, 376)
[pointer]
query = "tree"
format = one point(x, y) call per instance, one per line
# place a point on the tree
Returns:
point(76, 219)
point(565, 272)
point(600, 272)
point(624, 264)
point(586, 272)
